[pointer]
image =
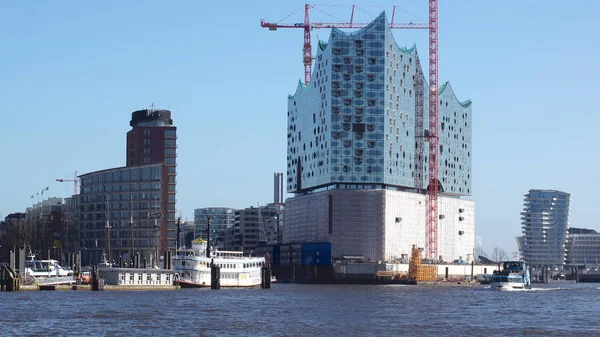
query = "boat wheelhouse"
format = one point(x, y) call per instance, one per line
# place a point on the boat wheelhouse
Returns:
point(512, 275)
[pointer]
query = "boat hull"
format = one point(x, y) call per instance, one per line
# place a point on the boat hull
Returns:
point(508, 286)
point(190, 284)
point(513, 275)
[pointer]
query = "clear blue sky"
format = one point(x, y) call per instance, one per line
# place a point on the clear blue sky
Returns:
point(71, 73)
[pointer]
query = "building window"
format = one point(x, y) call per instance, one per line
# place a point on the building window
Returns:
point(170, 134)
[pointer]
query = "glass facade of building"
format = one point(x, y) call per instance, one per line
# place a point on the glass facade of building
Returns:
point(545, 221)
point(221, 220)
point(584, 250)
point(362, 119)
point(137, 195)
point(357, 155)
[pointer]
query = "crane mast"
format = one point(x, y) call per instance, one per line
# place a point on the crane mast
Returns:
point(262, 229)
point(307, 49)
point(432, 230)
point(432, 136)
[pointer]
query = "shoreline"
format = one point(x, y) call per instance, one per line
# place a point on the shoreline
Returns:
point(87, 287)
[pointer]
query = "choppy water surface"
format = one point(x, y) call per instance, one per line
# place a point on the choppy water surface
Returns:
point(555, 309)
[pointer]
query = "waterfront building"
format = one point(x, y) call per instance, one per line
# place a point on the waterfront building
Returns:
point(256, 226)
point(152, 139)
point(221, 220)
point(69, 239)
point(520, 244)
point(139, 198)
point(278, 187)
point(14, 233)
point(583, 248)
point(44, 221)
point(379, 224)
point(545, 221)
point(357, 159)
point(187, 232)
point(131, 200)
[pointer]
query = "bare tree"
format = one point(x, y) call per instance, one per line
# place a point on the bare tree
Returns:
point(13, 235)
point(478, 251)
point(498, 254)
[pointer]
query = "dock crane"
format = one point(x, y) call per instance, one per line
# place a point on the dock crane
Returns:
point(75, 181)
point(433, 134)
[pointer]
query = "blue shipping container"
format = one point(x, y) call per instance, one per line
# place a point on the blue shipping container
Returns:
point(315, 254)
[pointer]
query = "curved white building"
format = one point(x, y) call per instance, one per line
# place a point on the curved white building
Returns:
point(545, 225)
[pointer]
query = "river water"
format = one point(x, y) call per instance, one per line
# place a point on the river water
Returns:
point(560, 308)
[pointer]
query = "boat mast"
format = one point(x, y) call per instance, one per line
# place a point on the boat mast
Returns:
point(208, 237)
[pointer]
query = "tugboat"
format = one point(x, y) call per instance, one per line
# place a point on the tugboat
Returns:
point(513, 275)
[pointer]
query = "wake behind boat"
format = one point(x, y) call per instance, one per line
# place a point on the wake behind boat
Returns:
point(513, 275)
point(193, 267)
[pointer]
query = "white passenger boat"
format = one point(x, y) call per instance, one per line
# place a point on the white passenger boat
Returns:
point(192, 267)
point(45, 268)
point(513, 275)
point(44, 272)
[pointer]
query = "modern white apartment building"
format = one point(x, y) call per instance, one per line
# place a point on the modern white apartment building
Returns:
point(545, 221)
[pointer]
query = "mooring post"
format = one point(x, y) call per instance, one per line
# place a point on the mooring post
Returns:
point(215, 276)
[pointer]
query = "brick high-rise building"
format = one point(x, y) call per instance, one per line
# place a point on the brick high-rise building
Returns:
point(152, 139)
point(137, 200)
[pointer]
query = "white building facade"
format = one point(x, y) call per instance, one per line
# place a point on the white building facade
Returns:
point(545, 222)
point(381, 225)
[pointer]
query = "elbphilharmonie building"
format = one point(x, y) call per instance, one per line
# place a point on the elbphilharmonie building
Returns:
point(357, 155)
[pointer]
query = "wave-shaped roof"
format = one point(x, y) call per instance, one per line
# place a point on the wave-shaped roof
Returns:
point(381, 18)
point(464, 104)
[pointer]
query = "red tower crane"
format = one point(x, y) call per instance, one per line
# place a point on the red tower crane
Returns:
point(432, 136)
point(307, 26)
point(432, 228)
point(75, 181)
